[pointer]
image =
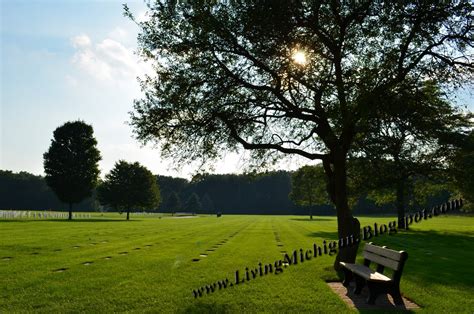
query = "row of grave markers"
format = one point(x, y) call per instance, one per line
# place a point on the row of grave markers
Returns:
point(26, 214)
point(145, 214)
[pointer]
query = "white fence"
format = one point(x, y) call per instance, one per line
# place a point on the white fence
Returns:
point(146, 214)
point(27, 214)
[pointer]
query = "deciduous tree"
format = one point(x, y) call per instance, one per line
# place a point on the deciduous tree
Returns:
point(129, 186)
point(289, 77)
point(71, 162)
point(409, 146)
point(463, 169)
point(308, 187)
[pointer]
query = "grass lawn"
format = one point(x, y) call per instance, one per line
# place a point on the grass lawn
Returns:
point(146, 264)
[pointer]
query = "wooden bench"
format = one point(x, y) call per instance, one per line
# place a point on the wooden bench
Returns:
point(376, 281)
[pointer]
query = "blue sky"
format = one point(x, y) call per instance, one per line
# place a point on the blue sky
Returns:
point(69, 60)
point(72, 59)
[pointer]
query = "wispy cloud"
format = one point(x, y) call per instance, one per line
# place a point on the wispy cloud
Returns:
point(81, 41)
point(119, 34)
point(108, 60)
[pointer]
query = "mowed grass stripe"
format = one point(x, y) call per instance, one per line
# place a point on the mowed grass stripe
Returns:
point(161, 277)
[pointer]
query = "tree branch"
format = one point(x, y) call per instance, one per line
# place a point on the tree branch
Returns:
point(256, 146)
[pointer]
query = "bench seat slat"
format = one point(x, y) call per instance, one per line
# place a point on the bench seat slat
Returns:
point(381, 260)
point(392, 254)
point(365, 272)
point(376, 281)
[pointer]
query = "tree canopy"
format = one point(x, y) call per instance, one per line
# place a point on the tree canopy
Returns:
point(409, 146)
point(289, 77)
point(463, 169)
point(71, 162)
point(129, 186)
point(308, 187)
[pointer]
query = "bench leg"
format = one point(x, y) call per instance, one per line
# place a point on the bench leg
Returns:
point(373, 292)
point(397, 297)
point(360, 283)
point(347, 277)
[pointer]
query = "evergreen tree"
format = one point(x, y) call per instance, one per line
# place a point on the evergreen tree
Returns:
point(193, 205)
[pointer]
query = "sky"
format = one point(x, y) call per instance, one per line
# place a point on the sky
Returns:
point(66, 60)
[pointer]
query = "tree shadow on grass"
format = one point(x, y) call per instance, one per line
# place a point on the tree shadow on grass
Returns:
point(314, 219)
point(434, 258)
point(325, 235)
point(382, 304)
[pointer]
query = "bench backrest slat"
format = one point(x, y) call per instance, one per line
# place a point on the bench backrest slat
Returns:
point(392, 254)
point(385, 257)
point(381, 260)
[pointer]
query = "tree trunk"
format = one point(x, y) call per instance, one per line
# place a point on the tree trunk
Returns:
point(401, 204)
point(311, 212)
point(70, 211)
point(347, 225)
point(128, 215)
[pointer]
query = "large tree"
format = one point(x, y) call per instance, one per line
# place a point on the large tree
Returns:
point(463, 168)
point(129, 186)
point(289, 77)
point(412, 138)
point(71, 162)
point(308, 187)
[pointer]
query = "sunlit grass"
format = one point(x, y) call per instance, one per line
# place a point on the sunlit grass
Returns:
point(157, 273)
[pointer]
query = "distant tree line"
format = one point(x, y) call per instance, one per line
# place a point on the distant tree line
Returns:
point(266, 193)
point(71, 168)
point(26, 191)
